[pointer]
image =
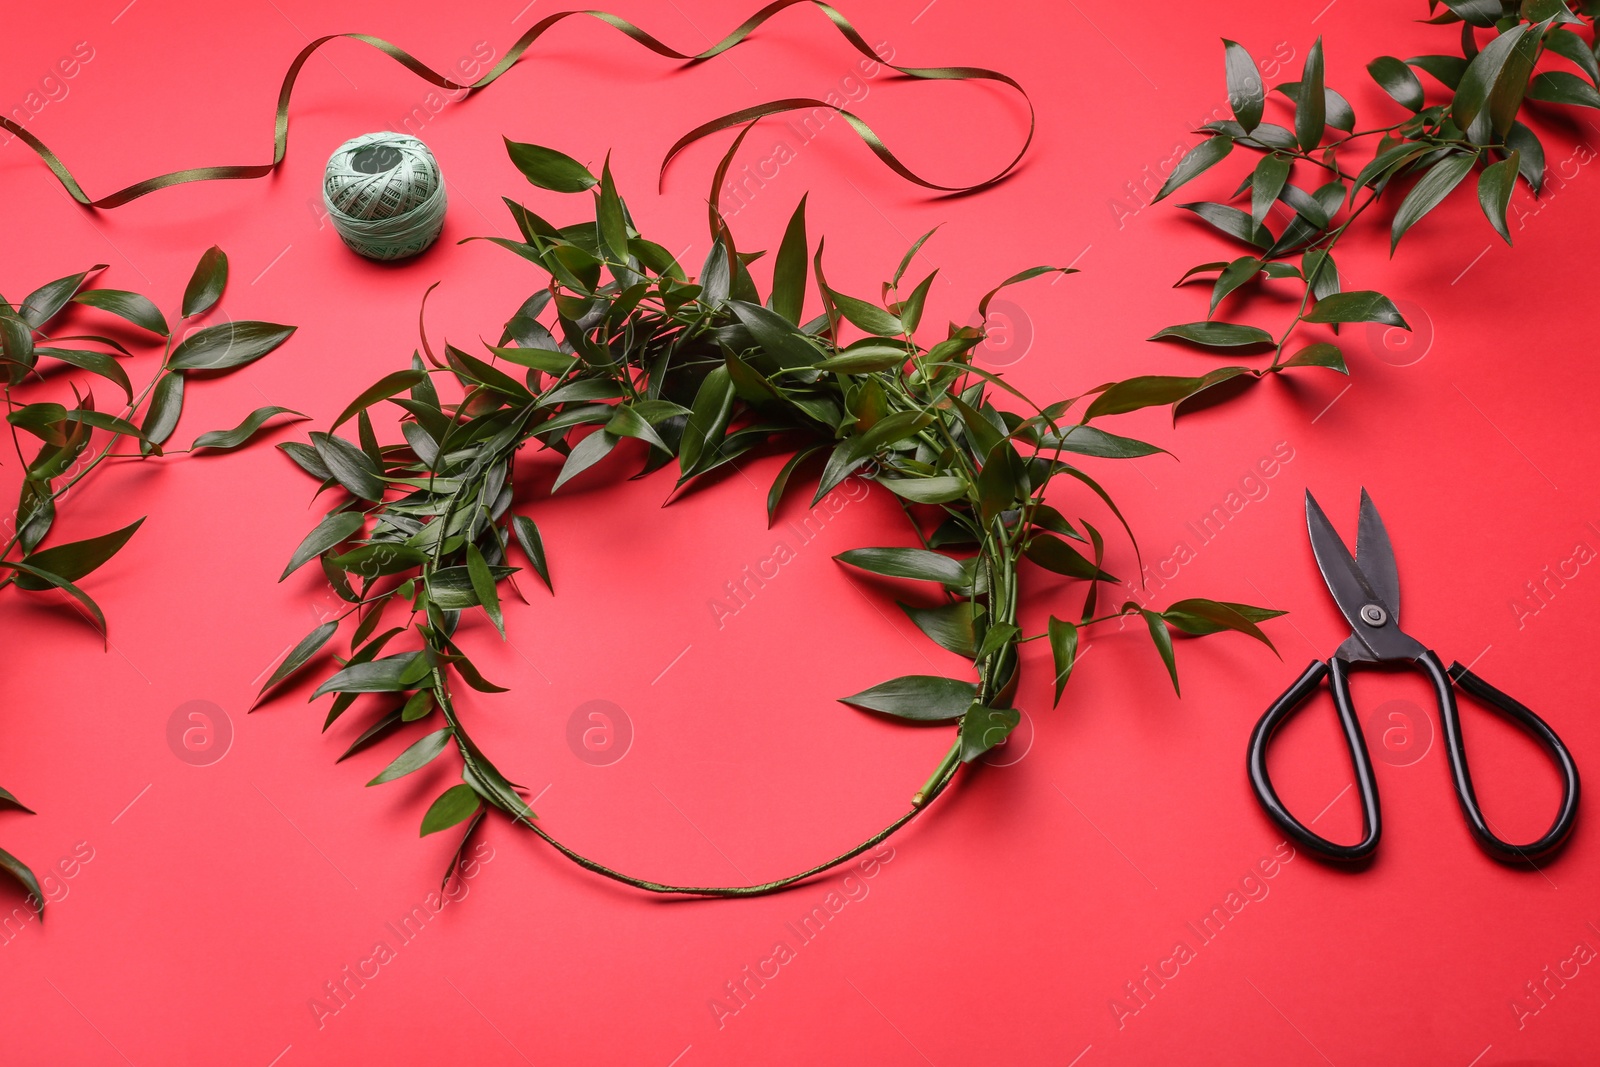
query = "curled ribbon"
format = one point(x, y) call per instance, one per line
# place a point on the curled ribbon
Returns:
point(280, 139)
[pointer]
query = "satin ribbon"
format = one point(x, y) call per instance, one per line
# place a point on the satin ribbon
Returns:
point(280, 137)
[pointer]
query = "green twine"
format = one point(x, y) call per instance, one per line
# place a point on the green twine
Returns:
point(385, 195)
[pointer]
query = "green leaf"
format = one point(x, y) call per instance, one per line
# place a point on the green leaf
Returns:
point(1241, 271)
point(1571, 47)
point(869, 317)
point(1020, 276)
point(853, 451)
point(780, 483)
point(916, 563)
point(708, 421)
point(950, 626)
point(382, 389)
point(19, 870)
point(417, 706)
point(455, 805)
point(1054, 554)
point(1063, 652)
point(94, 362)
point(304, 456)
point(1306, 206)
point(1321, 354)
point(609, 218)
point(1265, 183)
point(1002, 483)
point(391, 674)
point(95, 614)
point(474, 369)
point(74, 560)
point(299, 655)
point(335, 527)
point(1494, 191)
point(244, 431)
point(983, 728)
point(379, 560)
point(866, 358)
point(1233, 222)
point(1247, 93)
point(1426, 195)
point(1200, 616)
point(483, 585)
point(16, 338)
point(1526, 144)
point(417, 756)
point(1320, 272)
point(372, 734)
point(1476, 12)
point(36, 511)
point(7, 800)
point(1491, 89)
point(777, 336)
point(1310, 112)
point(1163, 641)
point(789, 270)
point(1217, 334)
point(911, 308)
point(1540, 10)
point(919, 697)
point(1360, 305)
point(166, 404)
point(450, 588)
point(41, 305)
point(527, 534)
point(1448, 70)
point(131, 306)
point(626, 422)
point(1396, 79)
point(205, 286)
point(549, 169)
point(1561, 87)
point(1199, 159)
point(1151, 390)
point(228, 344)
point(585, 454)
point(42, 419)
point(1383, 165)
point(349, 465)
point(1089, 441)
point(1202, 268)
point(937, 489)
point(470, 674)
point(911, 253)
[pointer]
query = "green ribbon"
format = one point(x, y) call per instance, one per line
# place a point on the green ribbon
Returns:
point(280, 137)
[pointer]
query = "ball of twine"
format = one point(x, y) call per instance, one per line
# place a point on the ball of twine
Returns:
point(385, 195)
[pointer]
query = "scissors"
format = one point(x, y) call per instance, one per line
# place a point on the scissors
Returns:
point(1366, 587)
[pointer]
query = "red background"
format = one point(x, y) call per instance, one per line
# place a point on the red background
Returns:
point(1004, 925)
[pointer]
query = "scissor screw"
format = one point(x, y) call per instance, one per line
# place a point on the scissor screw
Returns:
point(1373, 615)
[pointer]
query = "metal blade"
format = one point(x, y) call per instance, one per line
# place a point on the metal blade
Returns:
point(1375, 557)
point(1346, 582)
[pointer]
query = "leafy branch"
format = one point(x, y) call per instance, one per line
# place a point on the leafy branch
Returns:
point(622, 344)
point(1310, 167)
point(74, 441)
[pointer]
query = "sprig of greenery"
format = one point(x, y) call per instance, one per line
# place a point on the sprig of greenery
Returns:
point(76, 440)
point(621, 344)
point(1436, 144)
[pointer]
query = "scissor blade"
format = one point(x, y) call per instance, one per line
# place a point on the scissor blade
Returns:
point(1375, 557)
point(1345, 580)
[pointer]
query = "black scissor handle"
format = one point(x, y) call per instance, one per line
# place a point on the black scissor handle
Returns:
point(1282, 708)
point(1461, 775)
